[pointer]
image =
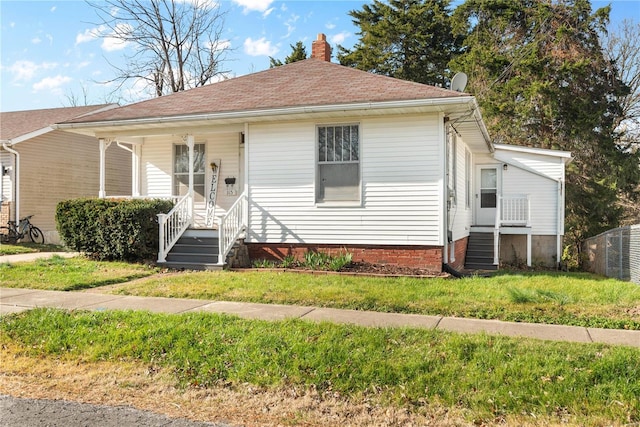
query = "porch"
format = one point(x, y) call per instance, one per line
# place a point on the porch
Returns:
point(202, 175)
point(512, 217)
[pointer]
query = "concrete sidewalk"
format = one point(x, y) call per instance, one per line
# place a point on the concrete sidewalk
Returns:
point(17, 300)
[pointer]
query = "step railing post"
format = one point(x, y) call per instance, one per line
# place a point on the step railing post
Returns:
point(162, 219)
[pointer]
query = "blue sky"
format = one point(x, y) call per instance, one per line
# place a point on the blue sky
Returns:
point(48, 54)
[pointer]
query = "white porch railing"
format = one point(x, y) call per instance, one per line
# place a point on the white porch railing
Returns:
point(514, 210)
point(231, 226)
point(173, 224)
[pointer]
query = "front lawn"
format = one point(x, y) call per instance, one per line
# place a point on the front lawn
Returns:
point(69, 274)
point(488, 379)
point(27, 248)
point(578, 299)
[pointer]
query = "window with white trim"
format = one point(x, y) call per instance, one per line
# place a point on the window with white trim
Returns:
point(338, 176)
point(181, 170)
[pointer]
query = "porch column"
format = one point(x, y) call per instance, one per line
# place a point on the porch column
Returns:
point(104, 144)
point(190, 144)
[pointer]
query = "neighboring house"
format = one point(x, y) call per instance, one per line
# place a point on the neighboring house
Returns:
point(316, 156)
point(42, 166)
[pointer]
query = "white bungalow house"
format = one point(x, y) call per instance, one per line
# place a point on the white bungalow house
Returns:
point(316, 156)
point(40, 166)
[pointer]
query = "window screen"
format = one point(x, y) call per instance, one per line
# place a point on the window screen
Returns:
point(338, 164)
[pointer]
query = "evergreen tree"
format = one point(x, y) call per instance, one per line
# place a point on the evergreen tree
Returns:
point(406, 39)
point(298, 53)
point(539, 73)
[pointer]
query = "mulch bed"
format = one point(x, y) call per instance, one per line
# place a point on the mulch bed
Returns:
point(361, 268)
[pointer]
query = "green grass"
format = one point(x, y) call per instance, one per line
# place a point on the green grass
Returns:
point(26, 248)
point(69, 274)
point(486, 377)
point(560, 298)
point(578, 299)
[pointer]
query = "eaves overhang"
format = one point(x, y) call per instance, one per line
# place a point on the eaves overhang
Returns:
point(446, 105)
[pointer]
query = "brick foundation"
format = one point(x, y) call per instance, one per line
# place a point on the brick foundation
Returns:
point(460, 253)
point(428, 257)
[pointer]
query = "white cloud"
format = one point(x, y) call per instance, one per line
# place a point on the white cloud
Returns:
point(36, 40)
point(260, 47)
point(53, 9)
point(330, 26)
point(267, 12)
point(220, 45)
point(340, 37)
point(89, 35)
point(26, 70)
point(290, 24)
point(254, 5)
point(51, 83)
point(111, 44)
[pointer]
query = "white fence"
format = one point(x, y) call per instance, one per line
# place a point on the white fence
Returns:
point(615, 253)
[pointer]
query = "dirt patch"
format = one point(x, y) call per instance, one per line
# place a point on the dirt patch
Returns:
point(126, 383)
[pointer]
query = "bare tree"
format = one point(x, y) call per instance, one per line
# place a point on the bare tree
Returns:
point(623, 48)
point(177, 43)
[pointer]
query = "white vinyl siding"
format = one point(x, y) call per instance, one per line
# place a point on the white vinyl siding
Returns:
point(542, 198)
point(401, 176)
point(461, 215)
point(59, 166)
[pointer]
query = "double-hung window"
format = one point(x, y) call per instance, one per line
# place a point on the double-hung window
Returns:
point(181, 170)
point(338, 177)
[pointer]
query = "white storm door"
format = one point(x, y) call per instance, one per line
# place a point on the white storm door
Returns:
point(486, 194)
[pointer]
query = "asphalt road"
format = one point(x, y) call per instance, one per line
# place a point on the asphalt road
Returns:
point(17, 412)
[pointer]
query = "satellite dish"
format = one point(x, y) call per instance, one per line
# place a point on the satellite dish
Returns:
point(459, 82)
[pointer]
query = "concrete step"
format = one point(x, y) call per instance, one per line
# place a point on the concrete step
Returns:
point(479, 266)
point(192, 258)
point(191, 266)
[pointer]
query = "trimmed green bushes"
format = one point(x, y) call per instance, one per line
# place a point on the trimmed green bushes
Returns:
point(111, 229)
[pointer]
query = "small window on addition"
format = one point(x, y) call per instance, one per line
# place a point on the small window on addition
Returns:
point(338, 177)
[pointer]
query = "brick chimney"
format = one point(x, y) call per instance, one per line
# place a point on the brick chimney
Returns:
point(320, 48)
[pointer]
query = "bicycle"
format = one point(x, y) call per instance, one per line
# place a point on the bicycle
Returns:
point(12, 232)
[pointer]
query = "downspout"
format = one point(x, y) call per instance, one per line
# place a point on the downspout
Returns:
point(16, 178)
point(445, 191)
point(560, 223)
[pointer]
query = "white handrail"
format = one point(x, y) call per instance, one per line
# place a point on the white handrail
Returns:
point(231, 226)
point(171, 225)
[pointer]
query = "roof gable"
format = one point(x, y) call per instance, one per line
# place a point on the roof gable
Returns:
point(311, 82)
point(15, 124)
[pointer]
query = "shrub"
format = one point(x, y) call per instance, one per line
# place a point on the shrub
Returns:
point(111, 229)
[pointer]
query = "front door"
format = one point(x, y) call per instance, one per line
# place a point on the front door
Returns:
point(486, 194)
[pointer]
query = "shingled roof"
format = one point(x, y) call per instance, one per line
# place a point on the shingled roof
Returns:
point(14, 124)
point(311, 82)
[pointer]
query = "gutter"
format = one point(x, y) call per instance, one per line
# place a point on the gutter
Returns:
point(16, 177)
point(247, 114)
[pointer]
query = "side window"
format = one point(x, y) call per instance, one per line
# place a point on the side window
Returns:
point(453, 169)
point(338, 177)
point(181, 170)
point(467, 177)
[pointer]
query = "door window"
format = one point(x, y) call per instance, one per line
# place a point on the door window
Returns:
point(488, 187)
